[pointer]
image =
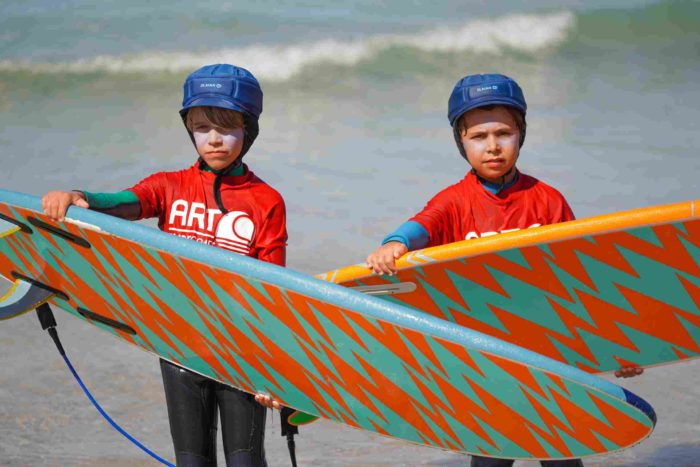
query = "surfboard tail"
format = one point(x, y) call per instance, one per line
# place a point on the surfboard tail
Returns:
point(640, 404)
point(22, 297)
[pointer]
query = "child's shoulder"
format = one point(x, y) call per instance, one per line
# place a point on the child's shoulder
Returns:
point(451, 194)
point(462, 184)
point(170, 176)
point(531, 183)
point(271, 195)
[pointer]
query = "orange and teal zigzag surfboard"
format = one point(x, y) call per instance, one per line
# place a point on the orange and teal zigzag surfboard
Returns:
point(314, 346)
point(615, 290)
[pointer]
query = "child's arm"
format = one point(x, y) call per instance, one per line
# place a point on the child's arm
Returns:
point(383, 259)
point(410, 236)
point(271, 241)
point(124, 204)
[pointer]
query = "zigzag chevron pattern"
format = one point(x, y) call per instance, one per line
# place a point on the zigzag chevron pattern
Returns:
point(321, 358)
point(598, 301)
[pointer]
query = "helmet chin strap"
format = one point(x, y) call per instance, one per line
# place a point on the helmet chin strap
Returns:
point(229, 168)
point(217, 181)
point(503, 178)
point(499, 186)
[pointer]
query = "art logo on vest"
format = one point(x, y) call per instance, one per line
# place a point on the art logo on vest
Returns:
point(233, 231)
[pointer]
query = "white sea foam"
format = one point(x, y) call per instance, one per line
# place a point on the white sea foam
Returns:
point(523, 32)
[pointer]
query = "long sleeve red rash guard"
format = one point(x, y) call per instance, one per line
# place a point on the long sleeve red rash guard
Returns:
point(467, 210)
point(183, 201)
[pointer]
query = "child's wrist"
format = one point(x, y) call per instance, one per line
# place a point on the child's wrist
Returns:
point(395, 239)
point(80, 194)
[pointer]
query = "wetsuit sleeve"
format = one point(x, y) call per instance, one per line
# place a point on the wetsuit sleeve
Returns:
point(123, 204)
point(151, 193)
point(271, 240)
point(411, 233)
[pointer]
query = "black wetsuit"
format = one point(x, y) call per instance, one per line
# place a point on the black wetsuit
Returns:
point(478, 461)
point(192, 410)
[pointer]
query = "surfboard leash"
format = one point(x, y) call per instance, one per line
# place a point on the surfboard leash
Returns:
point(48, 323)
point(289, 431)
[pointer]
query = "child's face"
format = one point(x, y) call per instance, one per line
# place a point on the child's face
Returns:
point(491, 141)
point(218, 147)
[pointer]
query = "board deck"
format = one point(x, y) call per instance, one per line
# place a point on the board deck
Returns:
point(600, 293)
point(314, 346)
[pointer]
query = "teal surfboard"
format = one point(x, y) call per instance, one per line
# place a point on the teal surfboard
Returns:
point(315, 346)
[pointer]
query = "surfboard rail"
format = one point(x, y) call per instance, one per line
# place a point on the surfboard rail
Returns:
point(611, 291)
point(604, 223)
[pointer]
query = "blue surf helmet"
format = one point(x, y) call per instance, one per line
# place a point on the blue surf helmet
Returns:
point(227, 87)
point(474, 91)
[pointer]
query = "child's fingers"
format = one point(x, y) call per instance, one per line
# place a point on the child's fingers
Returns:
point(369, 262)
point(62, 208)
point(51, 205)
point(377, 262)
point(379, 266)
point(383, 261)
point(629, 372)
point(51, 209)
point(46, 205)
point(267, 401)
point(389, 264)
point(262, 400)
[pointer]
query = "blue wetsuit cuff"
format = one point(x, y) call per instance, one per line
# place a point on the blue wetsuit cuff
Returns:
point(411, 234)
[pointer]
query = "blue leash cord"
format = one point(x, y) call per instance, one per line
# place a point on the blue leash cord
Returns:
point(49, 324)
point(109, 419)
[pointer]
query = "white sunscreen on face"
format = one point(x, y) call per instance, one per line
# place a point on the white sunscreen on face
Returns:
point(228, 139)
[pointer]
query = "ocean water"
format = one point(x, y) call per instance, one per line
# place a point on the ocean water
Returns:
point(354, 134)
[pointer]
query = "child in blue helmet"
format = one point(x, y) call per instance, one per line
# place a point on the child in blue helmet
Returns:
point(487, 114)
point(218, 201)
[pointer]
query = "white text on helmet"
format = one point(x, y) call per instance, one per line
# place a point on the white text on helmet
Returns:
point(486, 88)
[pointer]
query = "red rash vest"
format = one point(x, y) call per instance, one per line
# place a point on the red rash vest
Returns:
point(466, 210)
point(183, 201)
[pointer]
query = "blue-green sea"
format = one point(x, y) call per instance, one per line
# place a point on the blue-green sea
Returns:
point(355, 136)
